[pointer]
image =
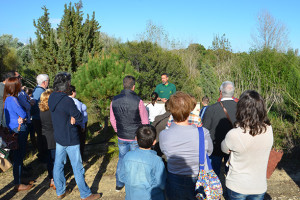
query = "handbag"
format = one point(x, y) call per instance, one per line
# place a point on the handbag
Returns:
point(11, 139)
point(4, 164)
point(208, 185)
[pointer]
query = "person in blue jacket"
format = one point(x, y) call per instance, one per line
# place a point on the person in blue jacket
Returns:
point(15, 117)
point(64, 114)
point(144, 172)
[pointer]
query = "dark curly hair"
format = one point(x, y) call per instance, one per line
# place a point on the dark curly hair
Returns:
point(154, 97)
point(62, 82)
point(252, 113)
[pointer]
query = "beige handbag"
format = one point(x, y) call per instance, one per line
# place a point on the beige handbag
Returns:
point(4, 164)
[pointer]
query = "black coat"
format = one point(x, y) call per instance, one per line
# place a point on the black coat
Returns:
point(126, 110)
point(62, 108)
point(217, 123)
point(47, 128)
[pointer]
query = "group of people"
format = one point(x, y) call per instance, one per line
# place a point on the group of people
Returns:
point(158, 143)
point(237, 132)
point(58, 118)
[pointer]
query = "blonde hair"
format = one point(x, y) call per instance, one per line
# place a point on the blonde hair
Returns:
point(43, 105)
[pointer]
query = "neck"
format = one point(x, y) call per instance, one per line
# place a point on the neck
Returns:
point(145, 148)
point(184, 123)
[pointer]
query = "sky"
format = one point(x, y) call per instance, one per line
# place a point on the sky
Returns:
point(185, 21)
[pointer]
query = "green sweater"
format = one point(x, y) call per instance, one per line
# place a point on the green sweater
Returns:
point(165, 91)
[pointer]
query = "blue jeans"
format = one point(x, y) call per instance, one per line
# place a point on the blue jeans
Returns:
point(237, 196)
point(124, 147)
point(180, 187)
point(216, 162)
point(19, 154)
point(50, 162)
point(78, 170)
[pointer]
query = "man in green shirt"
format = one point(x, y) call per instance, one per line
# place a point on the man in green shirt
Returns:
point(165, 89)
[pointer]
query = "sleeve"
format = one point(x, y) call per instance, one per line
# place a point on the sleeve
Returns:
point(24, 101)
point(208, 142)
point(73, 111)
point(156, 90)
point(228, 143)
point(143, 113)
point(161, 175)
point(112, 118)
point(170, 120)
point(207, 118)
point(199, 123)
point(19, 110)
point(174, 89)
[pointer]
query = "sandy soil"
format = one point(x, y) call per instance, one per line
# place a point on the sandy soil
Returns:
point(283, 185)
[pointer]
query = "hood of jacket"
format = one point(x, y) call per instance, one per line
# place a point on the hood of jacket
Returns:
point(54, 99)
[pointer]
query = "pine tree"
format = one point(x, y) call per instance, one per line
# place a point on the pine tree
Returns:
point(98, 81)
point(68, 46)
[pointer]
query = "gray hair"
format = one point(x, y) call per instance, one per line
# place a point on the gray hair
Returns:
point(227, 89)
point(41, 78)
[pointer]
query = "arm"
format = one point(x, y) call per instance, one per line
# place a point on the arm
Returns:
point(207, 118)
point(113, 119)
point(161, 175)
point(174, 90)
point(24, 101)
point(18, 109)
point(209, 147)
point(228, 143)
point(169, 122)
point(157, 91)
point(73, 111)
point(143, 113)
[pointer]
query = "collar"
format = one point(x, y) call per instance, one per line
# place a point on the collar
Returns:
point(226, 99)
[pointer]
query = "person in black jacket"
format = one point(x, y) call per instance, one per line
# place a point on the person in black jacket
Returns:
point(127, 113)
point(218, 124)
point(64, 114)
point(47, 132)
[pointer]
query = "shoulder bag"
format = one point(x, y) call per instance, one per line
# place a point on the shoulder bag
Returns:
point(208, 185)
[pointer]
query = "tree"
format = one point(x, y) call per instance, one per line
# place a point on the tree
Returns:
point(151, 61)
point(99, 80)
point(270, 33)
point(68, 46)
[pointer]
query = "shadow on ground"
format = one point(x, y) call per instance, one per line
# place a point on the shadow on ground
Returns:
point(95, 148)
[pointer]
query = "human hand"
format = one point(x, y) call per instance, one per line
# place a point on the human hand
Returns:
point(20, 120)
point(73, 121)
point(32, 102)
point(164, 100)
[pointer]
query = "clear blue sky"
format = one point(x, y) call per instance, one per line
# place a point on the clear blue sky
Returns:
point(188, 21)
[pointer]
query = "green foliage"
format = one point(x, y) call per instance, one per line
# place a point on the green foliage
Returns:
point(98, 81)
point(209, 82)
point(151, 61)
point(68, 46)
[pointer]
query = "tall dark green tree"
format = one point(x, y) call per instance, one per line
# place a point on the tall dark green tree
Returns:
point(68, 46)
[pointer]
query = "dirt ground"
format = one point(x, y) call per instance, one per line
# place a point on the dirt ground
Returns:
point(284, 184)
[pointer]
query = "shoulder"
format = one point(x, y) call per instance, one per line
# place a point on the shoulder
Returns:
point(172, 85)
point(159, 85)
point(232, 134)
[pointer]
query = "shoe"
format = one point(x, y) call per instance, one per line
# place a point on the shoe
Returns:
point(52, 184)
point(64, 194)
point(93, 197)
point(118, 189)
point(22, 187)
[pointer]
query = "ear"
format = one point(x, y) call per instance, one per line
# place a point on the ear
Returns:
point(133, 88)
point(154, 142)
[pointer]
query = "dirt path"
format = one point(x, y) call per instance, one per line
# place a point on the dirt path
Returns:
point(283, 185)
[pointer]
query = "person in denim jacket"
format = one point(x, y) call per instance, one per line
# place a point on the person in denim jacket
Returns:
point(144, 172)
